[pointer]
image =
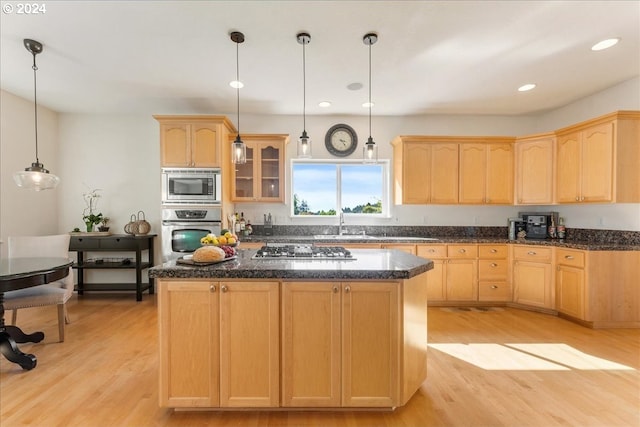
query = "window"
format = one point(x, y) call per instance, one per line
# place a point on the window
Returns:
point(322, 188)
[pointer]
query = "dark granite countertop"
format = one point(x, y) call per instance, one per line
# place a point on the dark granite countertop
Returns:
point(369, 264)
point(569, 243)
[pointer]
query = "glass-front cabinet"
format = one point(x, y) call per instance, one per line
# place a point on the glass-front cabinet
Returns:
point(261, 178)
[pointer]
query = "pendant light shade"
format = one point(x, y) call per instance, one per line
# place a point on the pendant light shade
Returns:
point(35, 177)
point(239, 149)
point(370, 149)
point(304, 142)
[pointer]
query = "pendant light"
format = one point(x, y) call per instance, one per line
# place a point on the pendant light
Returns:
point(304, 142)
point(35, 177)
point(239, 149)
point(370, 149)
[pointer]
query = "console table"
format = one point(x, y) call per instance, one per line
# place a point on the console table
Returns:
point(113, 243)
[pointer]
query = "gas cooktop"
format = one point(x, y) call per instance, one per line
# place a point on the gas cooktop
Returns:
point(302, 252)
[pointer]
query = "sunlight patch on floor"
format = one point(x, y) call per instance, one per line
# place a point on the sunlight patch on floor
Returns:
point(513, 357)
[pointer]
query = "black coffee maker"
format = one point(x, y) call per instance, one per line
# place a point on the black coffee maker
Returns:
point(537, 224)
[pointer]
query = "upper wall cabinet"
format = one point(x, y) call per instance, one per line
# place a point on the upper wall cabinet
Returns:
point(535, 169)
point(425, 170)
point(597, 161)
point(192, 141)
point(452, 170)
point(486, 173)
point(261, 178)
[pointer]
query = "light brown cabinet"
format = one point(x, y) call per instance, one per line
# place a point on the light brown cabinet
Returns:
point(461, 273)
point(532, 276)
point(218, 343)
point(595, 160)
point(535, 169)
point(261, 178)
point(436, 279)
point(493, 269)
point(425, 171)
point(570, 282)
point(192, 141)
point(486, 173)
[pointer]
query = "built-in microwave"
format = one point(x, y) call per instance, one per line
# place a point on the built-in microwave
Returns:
point(192, 186)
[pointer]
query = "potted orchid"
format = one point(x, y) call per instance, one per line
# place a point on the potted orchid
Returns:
point(89, 216)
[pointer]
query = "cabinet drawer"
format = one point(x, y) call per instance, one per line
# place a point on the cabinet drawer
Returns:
point(118, 243)
point(462, 251)
point(531, 253)
point(492, 269)
point(82, 243)
point(494, 291)
point(432, 251)
point(492, 251)
point(570, 257)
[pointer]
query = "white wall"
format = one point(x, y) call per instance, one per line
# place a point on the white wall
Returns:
point(26, 212)
point(120, 155)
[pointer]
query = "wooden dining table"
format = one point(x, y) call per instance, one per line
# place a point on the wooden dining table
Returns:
point(20, 273)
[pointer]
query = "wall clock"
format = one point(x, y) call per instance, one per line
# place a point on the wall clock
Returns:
point(341, 140)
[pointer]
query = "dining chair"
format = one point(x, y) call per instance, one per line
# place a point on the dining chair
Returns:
point(54, 293)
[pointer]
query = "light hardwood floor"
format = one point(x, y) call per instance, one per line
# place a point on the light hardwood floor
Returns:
point(503, 367)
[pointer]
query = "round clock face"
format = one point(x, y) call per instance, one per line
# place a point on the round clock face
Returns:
point(341, 140)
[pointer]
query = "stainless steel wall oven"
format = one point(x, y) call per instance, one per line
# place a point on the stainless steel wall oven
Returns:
point(182, 229)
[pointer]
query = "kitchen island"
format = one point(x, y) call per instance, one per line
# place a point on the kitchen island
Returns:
point(254, 333)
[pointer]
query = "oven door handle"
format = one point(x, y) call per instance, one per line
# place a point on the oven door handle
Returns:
point(190, 223)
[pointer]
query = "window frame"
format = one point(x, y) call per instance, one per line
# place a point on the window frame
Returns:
point(386, 187)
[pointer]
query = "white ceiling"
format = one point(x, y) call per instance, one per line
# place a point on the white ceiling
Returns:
point(449, 57)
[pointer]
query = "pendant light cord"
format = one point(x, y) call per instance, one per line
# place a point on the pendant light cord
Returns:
point(35, 103)
point(304, 88)
point(369, 90)
point(238, 85)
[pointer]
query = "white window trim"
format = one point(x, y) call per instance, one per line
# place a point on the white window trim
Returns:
point(386, 190)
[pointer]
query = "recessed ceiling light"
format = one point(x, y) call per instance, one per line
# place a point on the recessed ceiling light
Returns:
point(324, 104)
point(605, 44)
point(236, 84)
point(354, 86)
point(526, 87)
point(368, 104)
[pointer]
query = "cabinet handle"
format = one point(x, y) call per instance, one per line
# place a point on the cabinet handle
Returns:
point(347, 289)
point(577, 199)
point(212, 288)
point(493, 251)
point(531, 253)
point(568, 256)
point(224, 288)
point(335, 289)
point(493, 264)
point(432, 250)
point(494, 286)
point(462, 251)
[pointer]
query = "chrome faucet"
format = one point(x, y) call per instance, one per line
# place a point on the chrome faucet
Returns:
point(341, 222)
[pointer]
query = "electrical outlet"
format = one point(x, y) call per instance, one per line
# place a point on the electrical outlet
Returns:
point(475, 220)
point(601, 221)
point(425, 219)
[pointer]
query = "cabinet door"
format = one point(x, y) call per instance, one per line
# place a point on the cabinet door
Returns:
point(311, 344)
point(473, 167)
point(499, 187)
point(175, 150)
point(269, 171)
point(444, 173)
point(436, 290)
point(204, 145)
point(188, 318)
point(534, 171)
point(462, 280)
point(597, 164)
point(568, 171)
point(243, 177)
point(416, 179)
point(570, 291)
point(249, 344)
point(533, 284)
point(370, 336)
point(410, 249)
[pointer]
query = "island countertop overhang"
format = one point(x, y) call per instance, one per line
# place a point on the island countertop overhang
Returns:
point(369, 264)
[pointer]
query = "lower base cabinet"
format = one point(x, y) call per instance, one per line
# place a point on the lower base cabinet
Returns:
point(533, 282)
point(340, 344)
point(256, 344)
point(219, 344)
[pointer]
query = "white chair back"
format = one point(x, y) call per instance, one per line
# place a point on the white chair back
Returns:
point(39, 246)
